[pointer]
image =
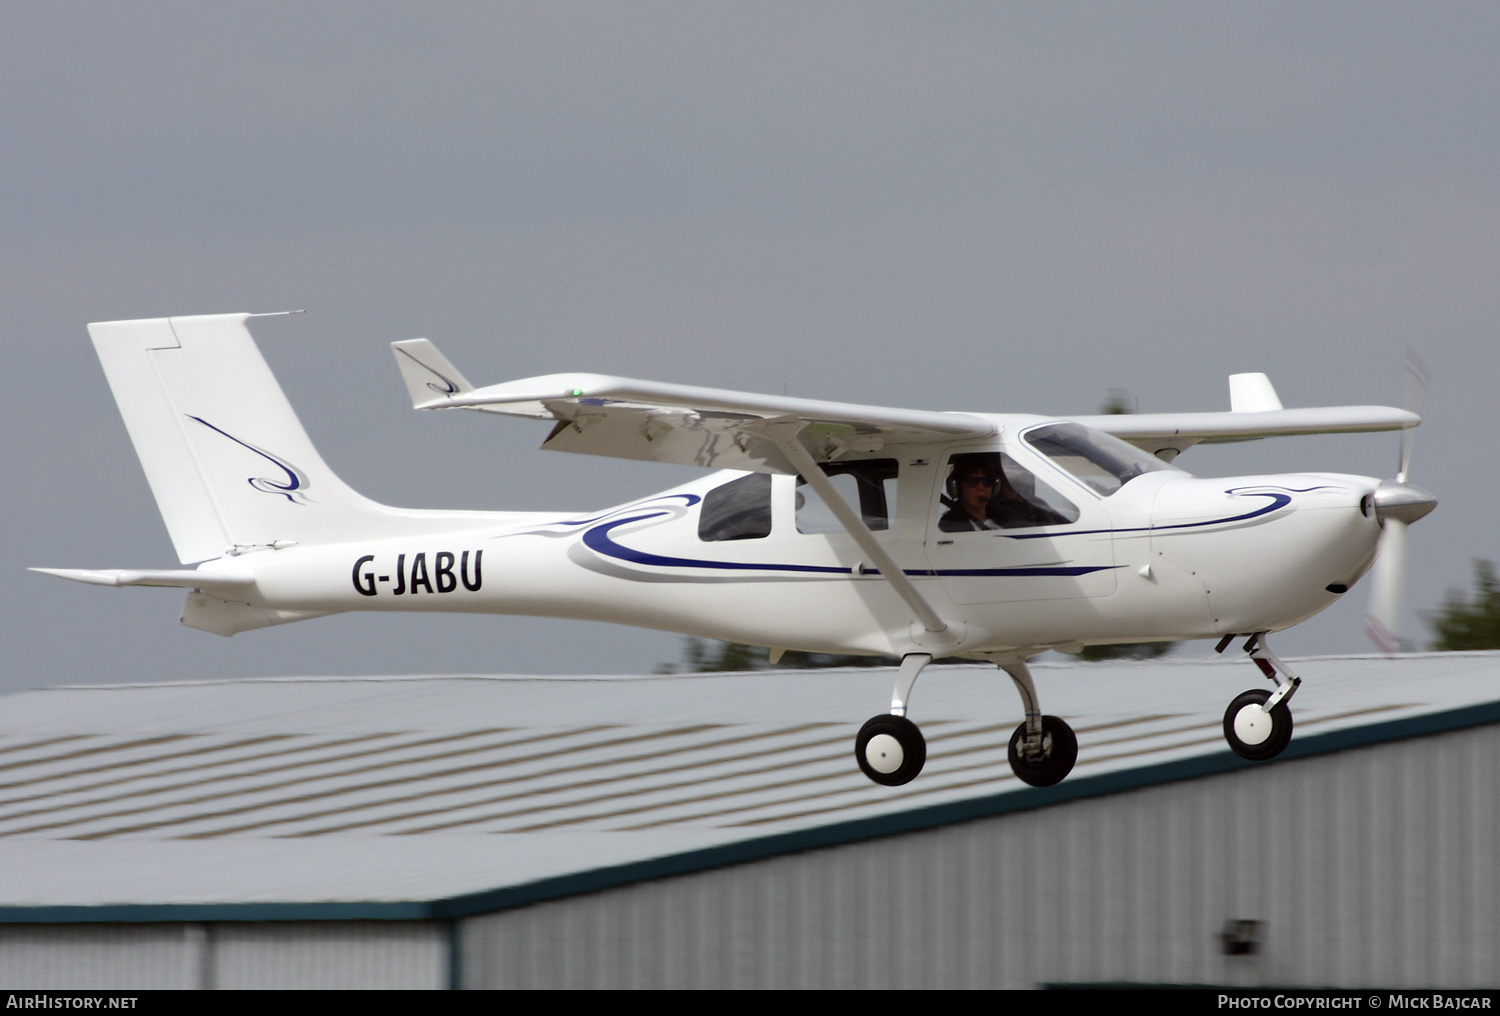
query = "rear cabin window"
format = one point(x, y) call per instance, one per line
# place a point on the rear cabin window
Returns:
point(737, 510)
point(868, 486)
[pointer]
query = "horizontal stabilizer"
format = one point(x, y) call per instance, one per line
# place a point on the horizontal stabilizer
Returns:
point(430, 379)
point(177, 578)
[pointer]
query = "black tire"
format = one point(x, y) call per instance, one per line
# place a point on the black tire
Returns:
point(1059, 753)
point(1274, 743)
point(897, 762)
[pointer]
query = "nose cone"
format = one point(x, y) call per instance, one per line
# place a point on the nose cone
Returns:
point(1402, 502)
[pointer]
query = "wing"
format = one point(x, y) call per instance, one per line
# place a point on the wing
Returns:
point(1216, 428)
point(1256, 413)
point(687, 425)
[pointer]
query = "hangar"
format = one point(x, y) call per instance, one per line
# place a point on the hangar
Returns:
point(712, 830)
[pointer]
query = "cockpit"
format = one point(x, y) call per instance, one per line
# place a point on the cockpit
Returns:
point(991, 490)
point(1100, 461)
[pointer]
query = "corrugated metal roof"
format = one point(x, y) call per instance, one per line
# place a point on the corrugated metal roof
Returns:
point(383, 790)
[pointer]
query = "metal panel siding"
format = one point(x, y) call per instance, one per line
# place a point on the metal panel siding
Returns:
point(350, 954)
point(1370, 867)
point(124, 957)
point(355, 954)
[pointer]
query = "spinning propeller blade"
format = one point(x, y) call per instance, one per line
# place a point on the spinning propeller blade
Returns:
point(1397, 505)
point(1388, 583)
point(1413, 389)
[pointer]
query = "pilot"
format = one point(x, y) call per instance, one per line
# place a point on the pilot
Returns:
point(971, 486)
point(982, 498)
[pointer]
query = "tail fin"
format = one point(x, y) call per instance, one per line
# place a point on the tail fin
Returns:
point(429, 377)
point(1252, 393)
point(227, 459)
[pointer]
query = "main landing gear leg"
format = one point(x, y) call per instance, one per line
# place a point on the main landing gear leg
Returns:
point(1044, 748)
point(890, 749)
point(1258, 724)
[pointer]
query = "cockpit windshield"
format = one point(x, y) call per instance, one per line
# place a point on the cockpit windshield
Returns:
point(1101, 461)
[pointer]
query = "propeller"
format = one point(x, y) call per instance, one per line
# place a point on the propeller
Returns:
point(1397, 504)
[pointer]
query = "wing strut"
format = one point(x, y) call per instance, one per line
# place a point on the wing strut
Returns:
point(785, 436)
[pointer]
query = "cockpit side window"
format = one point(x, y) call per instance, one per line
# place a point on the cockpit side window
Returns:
point(1100, 461)
point(867, 485)
point(737, 510)
point(989, 490)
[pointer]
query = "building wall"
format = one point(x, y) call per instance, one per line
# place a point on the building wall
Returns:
point(352, 954)
point(1370, 867)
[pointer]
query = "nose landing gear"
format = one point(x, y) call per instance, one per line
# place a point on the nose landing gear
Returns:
point(1258, 724)
point(1253, 731)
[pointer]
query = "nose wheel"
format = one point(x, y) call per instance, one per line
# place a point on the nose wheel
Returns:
point(890, 750)
point(1255, 732)
point(1258, 724)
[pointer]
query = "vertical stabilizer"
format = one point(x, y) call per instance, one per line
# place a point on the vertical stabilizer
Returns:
point(1252, 393)
point(228, 461)
point(430, 378)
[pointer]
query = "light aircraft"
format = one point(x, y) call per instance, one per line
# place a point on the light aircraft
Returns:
point(828, 527)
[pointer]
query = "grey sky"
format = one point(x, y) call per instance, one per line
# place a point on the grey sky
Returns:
point(989, 207)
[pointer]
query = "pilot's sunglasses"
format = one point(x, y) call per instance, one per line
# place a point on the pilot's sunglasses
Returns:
point(979, 481)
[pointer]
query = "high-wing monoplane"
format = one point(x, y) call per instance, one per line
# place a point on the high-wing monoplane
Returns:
point(825, 527)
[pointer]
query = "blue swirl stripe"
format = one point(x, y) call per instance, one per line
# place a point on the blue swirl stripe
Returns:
point(688, 500)
point(296, 480)
point(598, 539)
point(1277, 501)
point(448, 386)
point(1019, 572)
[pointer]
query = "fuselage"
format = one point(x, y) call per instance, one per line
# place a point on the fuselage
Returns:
point(1079, 545)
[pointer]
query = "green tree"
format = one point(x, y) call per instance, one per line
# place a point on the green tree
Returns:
point(1118, 403)
point(1469, 623)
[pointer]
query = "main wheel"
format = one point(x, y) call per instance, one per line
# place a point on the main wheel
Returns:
point(1059, 752)
point(890, 750)
point(1252, 731)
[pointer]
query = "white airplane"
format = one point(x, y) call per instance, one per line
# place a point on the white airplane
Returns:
point(830, 527)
